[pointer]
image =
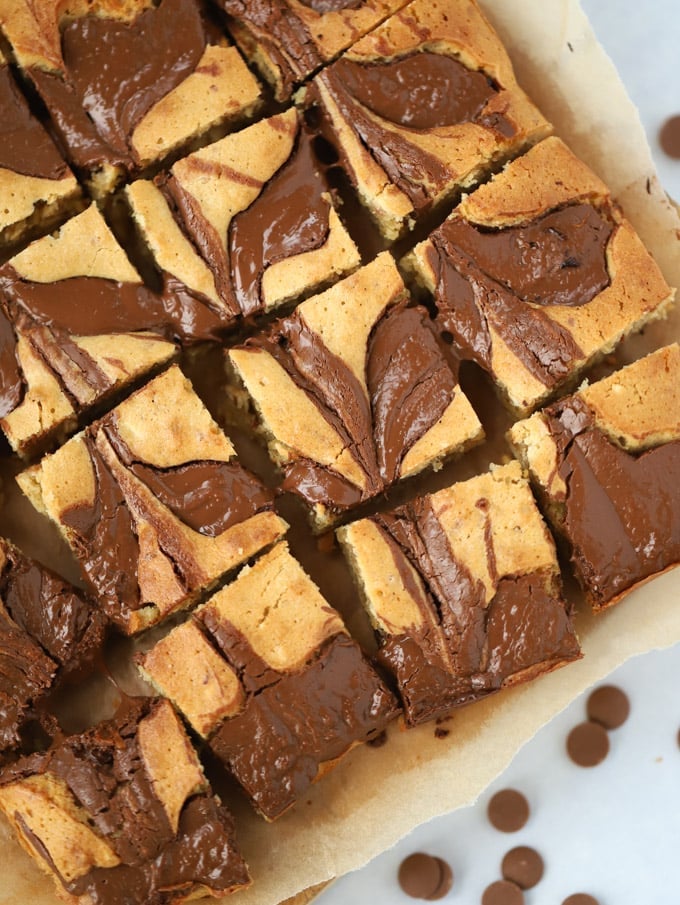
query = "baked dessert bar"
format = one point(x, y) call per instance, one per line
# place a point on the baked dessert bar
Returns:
point(606, 465)
point(422, 108)
point(353, 392)
point(48, 631)
point(77, 325)
point(289, 39)
point(257, 212)
point(168, 77)
point(463, 589)
point(268, 674)
point(153, 503)
point(123, 813)
point(36, 185)
point(538, 273)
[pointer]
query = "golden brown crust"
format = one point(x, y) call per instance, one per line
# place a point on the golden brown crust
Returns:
point(547, 178)
point(328, 34)
point(33, 28)
point(458, 29)
point(506, 536)
point(220, 90)
point(277, 607)
point(185, 667)
point(171, 249)
point(83, 246)
point(30, 201)
point(182, 432)
point(638, 407)
point(166, 424)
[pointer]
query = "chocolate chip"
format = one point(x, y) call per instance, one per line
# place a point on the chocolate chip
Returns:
point(609, 706)
point(669, 136)
point(588, 744)
point(580, 898)
point(522, 865)
point(508, 810)
point(503, 892)
point(424, 876)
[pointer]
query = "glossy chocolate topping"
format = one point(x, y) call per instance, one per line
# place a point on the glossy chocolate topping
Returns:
point(91, 306)
point(12, 385)
point(283, 35)
point(96, 107)
point(25, 147)
point(621, 510)
point(288, 218)
point(465, 648)
point(331, 6)
point(50, 610)
point(105, 540)
point(26, 673)
point(410, 383)
point(207, 496)
point(558, 259)
point(470, 304)
point(421, 91)
point(105, 772)
point(276, 745)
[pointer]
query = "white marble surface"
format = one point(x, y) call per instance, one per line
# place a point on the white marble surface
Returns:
point(612, 830)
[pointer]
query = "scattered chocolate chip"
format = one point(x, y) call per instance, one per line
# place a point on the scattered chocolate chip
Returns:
point(503, 892)
point(522, 865)
point(669, 136)
point(580, 898)
point(609, 706)
point(508, 810)
point(441, 733)
point(588, 744)
point(424, 876)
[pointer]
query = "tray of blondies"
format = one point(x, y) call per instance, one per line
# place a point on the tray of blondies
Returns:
point(340, 417)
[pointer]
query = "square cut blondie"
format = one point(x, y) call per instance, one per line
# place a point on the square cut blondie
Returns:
point(153, 503)
point(268, 674)
point(463, 590)
point(48, 630)
point(77, 326)
point(123, 813)
point(36, 185)
point(537, 274)
point(606, 466)
point(288, 40)
point(248, 221)
point(128, 81)
point(422, 108)
point(353, 392)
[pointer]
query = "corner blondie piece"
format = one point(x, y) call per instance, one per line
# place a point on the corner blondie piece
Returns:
point(36, 185)
point(248, 220)
point(123, 813)
point(126, 83)
point(77, 325)
point(153, 503)
point(48, 630)
point(463, 589)
point(422, 108)
point(537, 274)
point(268, 674)
point(354, 392)
point(606, 466)
point(288, 40)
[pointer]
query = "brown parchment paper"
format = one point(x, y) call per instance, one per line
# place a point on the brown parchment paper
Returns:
point(377, 795)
